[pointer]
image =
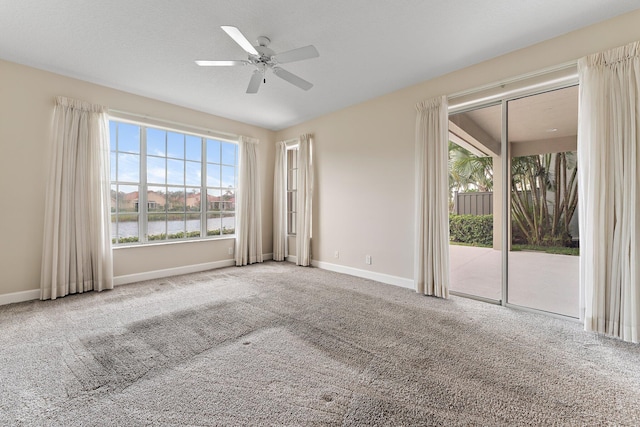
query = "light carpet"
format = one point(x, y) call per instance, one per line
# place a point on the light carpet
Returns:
point(276, 344)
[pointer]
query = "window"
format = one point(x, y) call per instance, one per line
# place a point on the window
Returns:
point(159, 178)
point(292, 186)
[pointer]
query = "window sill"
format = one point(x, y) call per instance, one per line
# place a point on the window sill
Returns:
point(172, 242)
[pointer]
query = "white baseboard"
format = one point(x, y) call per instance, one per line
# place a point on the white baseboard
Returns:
point(291, 258)
point(123, 280)
point(19, 296)
point(168, 272)
point(176, 271)
point(365, 274)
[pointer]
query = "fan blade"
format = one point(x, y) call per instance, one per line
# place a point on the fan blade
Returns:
point(220, 63)
point(299, 54)
point(292, 78)
point(239, 38)
point(254, 83)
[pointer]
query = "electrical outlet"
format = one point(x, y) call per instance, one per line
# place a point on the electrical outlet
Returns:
point(336, 254)
point(230, 251)
point(367, 259)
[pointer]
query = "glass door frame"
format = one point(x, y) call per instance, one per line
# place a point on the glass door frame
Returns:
point(538, 84)
point(466, 109)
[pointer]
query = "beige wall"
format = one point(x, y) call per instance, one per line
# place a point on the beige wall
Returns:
point(26, 106)
point(364, 154)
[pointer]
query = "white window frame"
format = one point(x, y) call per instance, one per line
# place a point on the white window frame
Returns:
point(291, 210)
point(143, 186)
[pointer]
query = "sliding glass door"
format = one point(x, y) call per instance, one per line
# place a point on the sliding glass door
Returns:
point(475, 202)
point(513, 201)
point(544, 251)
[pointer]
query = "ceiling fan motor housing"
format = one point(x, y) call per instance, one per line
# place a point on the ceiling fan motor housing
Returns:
point(266, 54)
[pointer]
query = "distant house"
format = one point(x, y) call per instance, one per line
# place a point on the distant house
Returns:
point(157, 200)
point(130, 201)
point(194, 201)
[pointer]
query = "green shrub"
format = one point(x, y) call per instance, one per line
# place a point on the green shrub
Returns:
point(133, 239)
point(161, 236)
point(471, 229)
point(218, 232)
point(182, 235)
point(178, 235)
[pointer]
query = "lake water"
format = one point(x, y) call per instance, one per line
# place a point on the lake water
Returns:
point(130, 228)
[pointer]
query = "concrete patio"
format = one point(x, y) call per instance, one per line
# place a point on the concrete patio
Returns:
point(536, 280)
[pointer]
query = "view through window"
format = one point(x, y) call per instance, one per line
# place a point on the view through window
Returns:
point(535, 241)
point(292, 179)
point(168, 185)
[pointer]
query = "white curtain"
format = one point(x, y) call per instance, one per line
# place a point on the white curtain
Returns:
point(280, 203)
point(248, 209)
point(609, 185)
point(76, 255)
point(305, 198)
point(431, 264)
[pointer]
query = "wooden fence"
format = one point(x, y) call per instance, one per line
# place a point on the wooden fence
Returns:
point(473, 203)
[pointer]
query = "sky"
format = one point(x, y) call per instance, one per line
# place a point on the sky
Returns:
point(173, 159)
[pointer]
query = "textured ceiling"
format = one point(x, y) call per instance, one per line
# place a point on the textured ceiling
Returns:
point(367, 47)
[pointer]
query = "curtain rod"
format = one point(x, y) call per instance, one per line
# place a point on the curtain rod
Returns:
point(180, 126)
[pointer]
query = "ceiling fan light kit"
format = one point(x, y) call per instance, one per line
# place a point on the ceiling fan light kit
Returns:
point(263, 59)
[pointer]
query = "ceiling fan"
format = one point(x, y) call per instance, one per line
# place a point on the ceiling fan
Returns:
point(263, 58)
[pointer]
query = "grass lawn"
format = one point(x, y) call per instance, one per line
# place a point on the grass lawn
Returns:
point(470, 244)
point(558, 250)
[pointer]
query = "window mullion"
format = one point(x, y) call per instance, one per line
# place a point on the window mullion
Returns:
point(204, 197)
point(166, 186)
point(184, 185)
point(221, 204)
point(117, 209)
point(142, 195)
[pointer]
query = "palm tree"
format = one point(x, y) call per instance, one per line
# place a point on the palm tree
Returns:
point(468, 172)
point(544, 191)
